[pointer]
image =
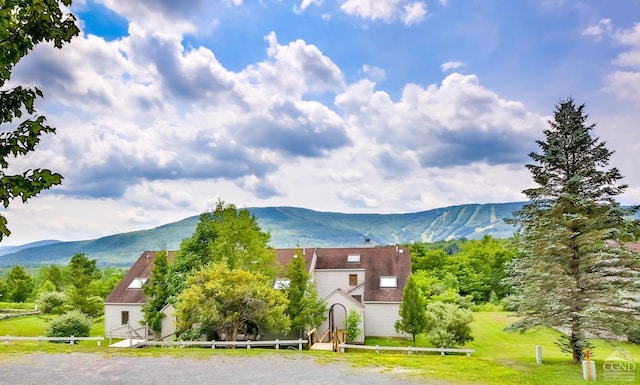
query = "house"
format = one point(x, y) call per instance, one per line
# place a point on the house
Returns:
point(369, 280)
point(123, 306)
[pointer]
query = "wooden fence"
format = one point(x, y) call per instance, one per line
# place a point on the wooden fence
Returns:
point(214, 344)
point(72, 340)
point(409, 349)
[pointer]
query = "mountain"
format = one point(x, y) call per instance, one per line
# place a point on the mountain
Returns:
point(12, 249)
point(289, 227)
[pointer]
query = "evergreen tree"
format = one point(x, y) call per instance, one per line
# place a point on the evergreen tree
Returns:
point(305, 309)
point(157, 292)
point(567, 276)
point(81, 272)
point(413, 319)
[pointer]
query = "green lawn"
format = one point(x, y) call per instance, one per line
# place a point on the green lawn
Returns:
point(500, 358)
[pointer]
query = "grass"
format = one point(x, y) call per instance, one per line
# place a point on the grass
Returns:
point(16, 306)
point(500, 357)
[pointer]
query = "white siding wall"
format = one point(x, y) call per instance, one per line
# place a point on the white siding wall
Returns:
point(380, 318)
point(113, 317)
point(329, 280)
point(339, 315)
point(168, 322)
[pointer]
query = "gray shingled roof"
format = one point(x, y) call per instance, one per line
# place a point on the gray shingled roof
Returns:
point(141, 269)
point(377, 261)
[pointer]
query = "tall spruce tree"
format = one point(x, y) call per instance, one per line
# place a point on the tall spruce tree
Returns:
point(567, 275)
point(413, 316)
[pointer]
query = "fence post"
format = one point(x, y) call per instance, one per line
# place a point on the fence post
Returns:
point(442, 350)
point(377, 349)
point(213, 344)
point(71, 341)
point(277, 344)
point(248, 344)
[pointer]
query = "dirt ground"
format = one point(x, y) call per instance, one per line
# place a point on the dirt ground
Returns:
point(90, 369)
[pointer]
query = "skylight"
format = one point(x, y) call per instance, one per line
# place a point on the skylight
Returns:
point(388, 281)
point(353, 258)
point(137, 283)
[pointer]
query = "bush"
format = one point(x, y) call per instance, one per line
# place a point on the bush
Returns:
point(633, 335)
point(51, 302)
point(448, 325)
point(352, 325)
point(73, 323)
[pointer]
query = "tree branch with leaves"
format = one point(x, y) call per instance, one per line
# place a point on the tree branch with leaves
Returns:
point(24, 24)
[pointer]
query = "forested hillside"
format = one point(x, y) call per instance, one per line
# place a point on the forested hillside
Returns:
point(291, 227)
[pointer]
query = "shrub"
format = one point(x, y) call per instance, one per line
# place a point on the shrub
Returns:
point(73, 323)
point(448, 325)
point(633, 335)
point(51, 302)
point(352, 325)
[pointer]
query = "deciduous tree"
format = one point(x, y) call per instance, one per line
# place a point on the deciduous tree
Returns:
point(224, 301)
point(26, 23)
point(567, 276)
point(19, 284)
point(226, 235)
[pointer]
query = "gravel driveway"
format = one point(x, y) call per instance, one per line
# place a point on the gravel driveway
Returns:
point(89, 369)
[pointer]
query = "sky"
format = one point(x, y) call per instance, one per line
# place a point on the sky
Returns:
point(163, 107)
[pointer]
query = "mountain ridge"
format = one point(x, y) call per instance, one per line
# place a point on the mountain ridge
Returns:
point(290, 227)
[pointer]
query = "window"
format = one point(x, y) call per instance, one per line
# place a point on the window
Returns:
point(353, 279)
point(353, 258)
point(137, 283)
point(124, 317)
point(388, 281)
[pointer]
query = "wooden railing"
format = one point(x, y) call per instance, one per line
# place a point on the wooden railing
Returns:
point(409, 349)
point(214, 344)
point(130, 332)
point(72, 340)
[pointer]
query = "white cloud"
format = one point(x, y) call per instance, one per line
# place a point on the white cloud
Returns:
point(598, 30)
point(414, 13)
point(451, 65)
point(386, 10)
point(625, 84)
point(305, 4)
point(374, 73)
point(630, 37)
point(459, 122)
